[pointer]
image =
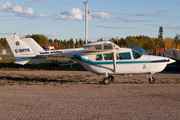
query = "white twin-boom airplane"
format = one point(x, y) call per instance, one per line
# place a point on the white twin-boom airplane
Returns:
point(102, 58)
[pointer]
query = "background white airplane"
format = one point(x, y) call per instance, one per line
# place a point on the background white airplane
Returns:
point(103, 58)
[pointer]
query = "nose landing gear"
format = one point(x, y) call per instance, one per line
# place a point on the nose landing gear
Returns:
point(152, 80)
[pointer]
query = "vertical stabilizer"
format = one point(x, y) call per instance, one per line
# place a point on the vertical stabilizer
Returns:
point(33, 44)
point(22, 52)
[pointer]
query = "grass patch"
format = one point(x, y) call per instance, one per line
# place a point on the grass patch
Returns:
point(3, 83)
point(11, 83)
point(28, 83)
point(177, 81)
point(7, 64)
point(21, 83)
point(88, 75)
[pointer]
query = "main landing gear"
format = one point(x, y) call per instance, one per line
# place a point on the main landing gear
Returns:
point(108, 80)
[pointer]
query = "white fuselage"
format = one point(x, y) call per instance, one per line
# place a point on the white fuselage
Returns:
point(102, 57)
point(130, 63)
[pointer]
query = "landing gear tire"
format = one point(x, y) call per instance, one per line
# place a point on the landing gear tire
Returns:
point(106, 81)
point(111, 78)
point(152, 80)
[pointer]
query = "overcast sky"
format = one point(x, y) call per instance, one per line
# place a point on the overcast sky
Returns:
point(65, 19)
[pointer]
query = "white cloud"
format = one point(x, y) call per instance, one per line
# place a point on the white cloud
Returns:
point(6, 33)
point(144, 14)
point(29, 11)
point(90, 18)
point(78, 15)
point(35, 1)
point(59, 17)
point(17, 9)
point(115, 27)
point(43, 16)
point(5, 6)
point(172, 27)
point(155, 14)
point(103, 15)
point(74, 14)
point(125, 19)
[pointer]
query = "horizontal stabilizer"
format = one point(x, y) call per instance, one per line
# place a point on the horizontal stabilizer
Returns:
point(38, 59)
point(22, 61)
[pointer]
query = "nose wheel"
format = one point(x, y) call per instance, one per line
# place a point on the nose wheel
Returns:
point(152, 80)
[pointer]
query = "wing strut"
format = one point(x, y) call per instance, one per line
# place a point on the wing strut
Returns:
point(114, 61)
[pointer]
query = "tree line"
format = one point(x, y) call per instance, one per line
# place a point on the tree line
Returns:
point(145, 42)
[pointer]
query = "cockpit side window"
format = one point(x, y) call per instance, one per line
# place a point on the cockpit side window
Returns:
point(136, 54)
point(99, 57)
point(123, 56)
point(107, 56)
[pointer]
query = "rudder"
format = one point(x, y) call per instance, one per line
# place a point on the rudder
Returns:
point(22, 52)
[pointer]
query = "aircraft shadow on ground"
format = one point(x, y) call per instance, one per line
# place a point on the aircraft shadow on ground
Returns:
point(43, 81)
point(41, 66)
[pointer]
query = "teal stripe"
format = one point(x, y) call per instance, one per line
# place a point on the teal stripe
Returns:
point(123, 62)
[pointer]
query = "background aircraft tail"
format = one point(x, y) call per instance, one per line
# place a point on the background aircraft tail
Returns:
point(25, 50)
point(36, 49)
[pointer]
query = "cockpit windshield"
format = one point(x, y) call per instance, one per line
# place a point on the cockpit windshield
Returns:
point(136, 54)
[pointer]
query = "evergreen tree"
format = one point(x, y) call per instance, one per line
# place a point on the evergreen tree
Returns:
point(71, 42)
point(160, 32)
point(3, 43)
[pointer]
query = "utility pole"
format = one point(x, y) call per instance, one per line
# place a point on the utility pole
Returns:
point(86, 36)
point(117, 40)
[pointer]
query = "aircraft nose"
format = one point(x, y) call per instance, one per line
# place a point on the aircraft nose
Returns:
point(171, 61)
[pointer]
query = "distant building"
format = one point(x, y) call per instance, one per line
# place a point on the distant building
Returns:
point(6, 51)
point(158, 50)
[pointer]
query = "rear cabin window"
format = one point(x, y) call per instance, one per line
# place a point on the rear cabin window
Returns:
point(99, 57)
point(107, 56)
point(123, 56)
point(136, 54)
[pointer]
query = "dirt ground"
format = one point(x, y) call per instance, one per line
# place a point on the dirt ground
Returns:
point(92, 101)
point(163, 77)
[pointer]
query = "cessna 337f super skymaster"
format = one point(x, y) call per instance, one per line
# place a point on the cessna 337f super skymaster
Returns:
point(102, 58)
